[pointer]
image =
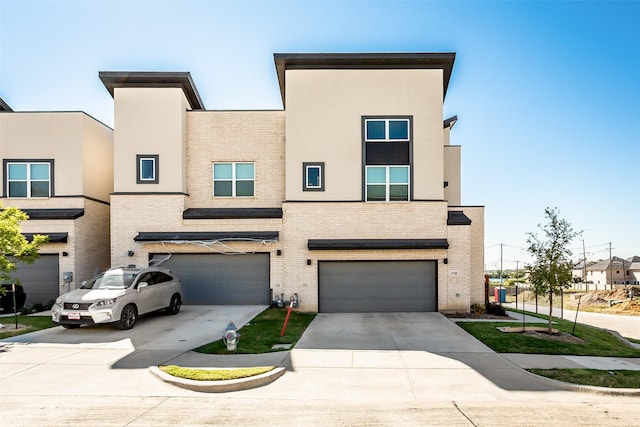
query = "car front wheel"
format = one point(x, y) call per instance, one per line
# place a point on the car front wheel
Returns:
point(128, 317)
point(174, 305)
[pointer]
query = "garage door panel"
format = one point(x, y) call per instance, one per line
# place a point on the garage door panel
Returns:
point(40, 280)
point(377, 286)
point(222, 279)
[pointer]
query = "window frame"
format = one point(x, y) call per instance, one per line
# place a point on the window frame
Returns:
point(387, 184)
point(386, 120)
point(234, 180)
point(6, 181)
point(156, 168)
point(305, 176)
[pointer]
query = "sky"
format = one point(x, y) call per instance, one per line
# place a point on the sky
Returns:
point(547, 93)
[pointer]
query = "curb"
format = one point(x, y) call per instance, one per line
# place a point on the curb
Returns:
point(222, 386)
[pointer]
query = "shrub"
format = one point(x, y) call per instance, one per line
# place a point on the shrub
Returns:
point(495, 309)
point(477, 309)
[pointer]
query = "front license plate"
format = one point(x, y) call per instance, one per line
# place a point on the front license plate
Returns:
point(73, 316)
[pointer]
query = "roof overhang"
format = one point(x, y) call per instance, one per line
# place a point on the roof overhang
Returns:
point(169, 79)
point(4, 106)
point(373, 244)
point(250, 236)
point(363, 61)
point(457, 218)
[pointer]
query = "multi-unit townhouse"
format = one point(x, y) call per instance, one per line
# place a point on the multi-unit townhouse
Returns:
point(58, 168)
point(348, 199)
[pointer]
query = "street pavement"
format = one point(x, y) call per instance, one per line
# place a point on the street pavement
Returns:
point(351, 369)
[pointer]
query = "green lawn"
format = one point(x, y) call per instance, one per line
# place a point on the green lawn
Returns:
point(596, 341)
point(259, 335)
point(593, 377)
point(34, 323)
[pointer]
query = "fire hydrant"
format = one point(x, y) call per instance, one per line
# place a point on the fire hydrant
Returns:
point(231, 337)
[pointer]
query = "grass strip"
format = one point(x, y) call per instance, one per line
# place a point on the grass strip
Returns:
point(596, 342)
point(33, 323)
point(263, 332)
point(214, 374)
point(593, 377)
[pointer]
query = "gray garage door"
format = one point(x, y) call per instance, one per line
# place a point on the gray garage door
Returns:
point(40, 279)
point(377, 286)
point(222, 279)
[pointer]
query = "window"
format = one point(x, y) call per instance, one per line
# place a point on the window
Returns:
point(387, 183)
point(385, 130)
point(313, 176)
point(28, 178)
point(147, 168)
point(233, 179)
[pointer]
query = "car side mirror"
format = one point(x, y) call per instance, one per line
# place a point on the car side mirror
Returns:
point(142, 285)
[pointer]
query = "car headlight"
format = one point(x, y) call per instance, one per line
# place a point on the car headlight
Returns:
point(105, 303)
point(59, 301)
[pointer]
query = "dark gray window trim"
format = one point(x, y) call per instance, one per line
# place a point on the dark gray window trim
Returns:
point(156, 168)
point(51, 214)
point(304, 176)
point(364, 151)
point(373, 244)
point(51, 173)
point(53, 237)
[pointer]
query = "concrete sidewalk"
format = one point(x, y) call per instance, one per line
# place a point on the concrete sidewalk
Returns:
point(547, 361)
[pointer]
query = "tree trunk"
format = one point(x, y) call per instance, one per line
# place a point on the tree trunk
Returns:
point(550, 310)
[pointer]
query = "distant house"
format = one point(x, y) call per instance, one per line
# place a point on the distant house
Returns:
point(579, 274)
point(614, 272)
point(634, 270)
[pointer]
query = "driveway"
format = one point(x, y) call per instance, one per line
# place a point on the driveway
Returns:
point(155, 339)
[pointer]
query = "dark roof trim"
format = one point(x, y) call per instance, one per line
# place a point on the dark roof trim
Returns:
point(458, 218)
point(182, 80)
point(53, 237)
point(54, 213)
point(144, 236)
point(362, 61)
point(450, 122)
point(353, 244)
point(231, 213)
point(4, 106)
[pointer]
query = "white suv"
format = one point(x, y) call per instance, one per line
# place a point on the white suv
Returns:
point(119, 296)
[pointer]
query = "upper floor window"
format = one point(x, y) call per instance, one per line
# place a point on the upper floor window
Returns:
point(147, 168)
point(313, 176)
point(233, 179)
point(28, 178)
point(387, 183)
point(385, 130)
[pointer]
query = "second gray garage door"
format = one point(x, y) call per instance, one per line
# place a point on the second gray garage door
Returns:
point(377, 286)
point(216, 279)
point(40, 279)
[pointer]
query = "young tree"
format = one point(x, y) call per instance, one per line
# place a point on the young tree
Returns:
point(14, 246)
point(552, 266)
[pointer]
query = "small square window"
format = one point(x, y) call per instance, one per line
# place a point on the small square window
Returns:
point(147, 168)
point(27, 178)
point(313, 176)
point(233, 179)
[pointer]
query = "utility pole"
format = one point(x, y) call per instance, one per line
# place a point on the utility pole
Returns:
point(610, 266)
point(500, 291)
point(584, 274)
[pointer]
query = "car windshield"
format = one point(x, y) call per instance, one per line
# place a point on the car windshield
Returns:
point(113, 279)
